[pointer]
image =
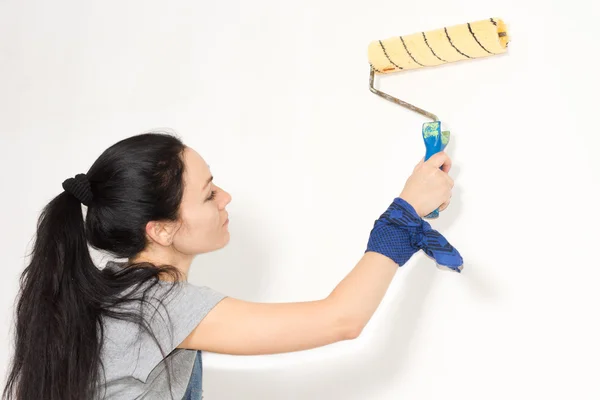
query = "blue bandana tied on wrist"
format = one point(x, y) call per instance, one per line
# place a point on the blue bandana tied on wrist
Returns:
point(400, 232)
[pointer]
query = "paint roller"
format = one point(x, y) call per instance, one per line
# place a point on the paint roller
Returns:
point(468, 41)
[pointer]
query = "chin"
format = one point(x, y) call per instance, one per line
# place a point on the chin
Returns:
point(227, 238)
point(225, 241)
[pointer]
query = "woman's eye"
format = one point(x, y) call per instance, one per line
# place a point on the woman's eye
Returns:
point(212, 195)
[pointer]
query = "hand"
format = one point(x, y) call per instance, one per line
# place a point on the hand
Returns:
point(429, 187)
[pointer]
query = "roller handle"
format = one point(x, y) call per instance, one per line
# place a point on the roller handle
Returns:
point(435, 141)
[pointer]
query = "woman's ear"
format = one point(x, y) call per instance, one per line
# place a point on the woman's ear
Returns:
point(161, 232)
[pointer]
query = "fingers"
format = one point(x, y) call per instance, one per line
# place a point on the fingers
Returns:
point(444, 206)
point(419, 164)
point(446, 203)
point(449, 180)
point(446, 167)
point(444, 178)
point(434, 172)
point(442, 160)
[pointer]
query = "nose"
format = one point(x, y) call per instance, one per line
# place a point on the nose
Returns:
point(225, 198)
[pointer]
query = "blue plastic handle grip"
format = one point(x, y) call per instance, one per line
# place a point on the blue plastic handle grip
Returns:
point(435, 141)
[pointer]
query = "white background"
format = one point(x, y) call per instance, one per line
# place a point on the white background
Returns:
point(274, 95)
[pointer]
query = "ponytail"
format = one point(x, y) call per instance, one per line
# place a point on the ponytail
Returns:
point(58, 310)
point(63, 296)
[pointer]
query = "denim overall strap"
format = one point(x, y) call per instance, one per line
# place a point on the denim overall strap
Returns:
point(194, 389)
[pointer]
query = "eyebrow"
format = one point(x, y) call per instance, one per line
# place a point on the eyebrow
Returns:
point(208, 181)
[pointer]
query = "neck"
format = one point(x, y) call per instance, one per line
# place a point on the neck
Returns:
point(165, 256)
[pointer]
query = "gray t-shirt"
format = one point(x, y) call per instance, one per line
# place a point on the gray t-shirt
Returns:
point(133, 364)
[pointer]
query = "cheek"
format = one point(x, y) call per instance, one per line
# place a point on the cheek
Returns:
point(195, 221)
point(199, 226)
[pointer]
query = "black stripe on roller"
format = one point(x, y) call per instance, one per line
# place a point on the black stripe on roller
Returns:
point(408, 52)
point(493, 22)
point(433, 52)
point(388, 57)
point(450, 40)
point(475, 37)
point(375, 69)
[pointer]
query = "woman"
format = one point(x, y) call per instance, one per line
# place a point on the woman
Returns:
point(135, 329)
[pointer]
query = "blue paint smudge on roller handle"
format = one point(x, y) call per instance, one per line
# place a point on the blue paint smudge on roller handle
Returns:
point(435, 141)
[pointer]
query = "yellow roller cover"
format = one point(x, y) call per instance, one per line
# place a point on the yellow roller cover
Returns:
point(428, 49)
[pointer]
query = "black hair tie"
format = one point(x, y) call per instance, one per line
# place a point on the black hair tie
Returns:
point(80, 188)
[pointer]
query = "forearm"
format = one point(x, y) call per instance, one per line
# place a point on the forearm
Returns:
point(398, 234)
point(359, 294)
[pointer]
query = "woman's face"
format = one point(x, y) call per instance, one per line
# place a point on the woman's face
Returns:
point(204, 220)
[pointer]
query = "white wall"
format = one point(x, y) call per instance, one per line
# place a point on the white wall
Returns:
point(275, 96)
